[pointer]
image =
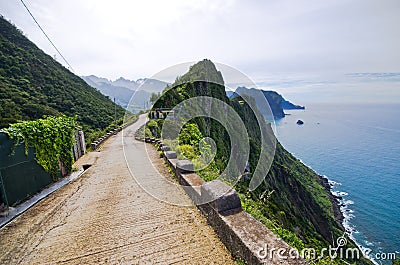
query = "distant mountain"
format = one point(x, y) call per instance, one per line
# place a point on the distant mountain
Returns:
point(122, 82)
point(276, 101)
point(231, 94)
point(123, 90)
point(151, 85)
point(289, 105)
point(33, 84)
point(273, 98)
point(121, 94)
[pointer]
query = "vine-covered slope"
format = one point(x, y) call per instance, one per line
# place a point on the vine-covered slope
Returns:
point(33, 84)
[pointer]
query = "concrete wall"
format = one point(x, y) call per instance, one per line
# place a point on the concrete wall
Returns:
point(242, 234)
point(79, 148)
point(20, 175)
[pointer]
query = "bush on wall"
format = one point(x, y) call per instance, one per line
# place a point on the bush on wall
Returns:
point(52, 138)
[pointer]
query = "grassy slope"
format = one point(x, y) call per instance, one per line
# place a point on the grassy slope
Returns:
point(33, 84)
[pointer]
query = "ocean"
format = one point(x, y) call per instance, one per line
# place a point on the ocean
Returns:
point(357, 146)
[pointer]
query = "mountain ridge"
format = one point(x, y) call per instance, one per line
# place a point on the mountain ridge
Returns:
point(33, 84)
point(275, 100)
point(134, 95)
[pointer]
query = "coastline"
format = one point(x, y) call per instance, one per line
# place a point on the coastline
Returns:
point(341, 212)
point(334, 198)
point(367, 217)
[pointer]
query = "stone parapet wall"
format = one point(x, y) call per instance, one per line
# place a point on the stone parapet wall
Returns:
point(246, 237)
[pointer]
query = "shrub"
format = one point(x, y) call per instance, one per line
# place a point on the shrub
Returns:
point(190, 135)
point(52, 138)
point(187, 151)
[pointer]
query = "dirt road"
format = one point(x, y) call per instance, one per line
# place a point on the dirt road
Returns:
point(106, 217)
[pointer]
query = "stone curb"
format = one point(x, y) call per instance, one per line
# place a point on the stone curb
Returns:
point(99, 141)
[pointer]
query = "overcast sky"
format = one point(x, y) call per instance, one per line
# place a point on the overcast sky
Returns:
point(139, 38)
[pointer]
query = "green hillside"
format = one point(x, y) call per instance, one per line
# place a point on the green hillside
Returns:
point(33, 84)
point(293, 201)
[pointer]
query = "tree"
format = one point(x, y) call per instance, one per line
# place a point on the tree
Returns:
point(154, 97)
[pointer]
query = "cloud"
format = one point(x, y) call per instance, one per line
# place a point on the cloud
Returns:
point(139, 38)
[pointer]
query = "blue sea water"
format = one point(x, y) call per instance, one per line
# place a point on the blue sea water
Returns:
point(357, 146)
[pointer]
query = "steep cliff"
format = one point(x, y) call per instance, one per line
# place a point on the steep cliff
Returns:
point(273, 98)
point(276, 102)
point(293, 201)
point(289, 105)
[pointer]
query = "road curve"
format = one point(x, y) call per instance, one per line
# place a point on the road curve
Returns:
point(106, 217)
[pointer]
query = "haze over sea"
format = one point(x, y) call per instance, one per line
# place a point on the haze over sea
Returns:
point(351, 135)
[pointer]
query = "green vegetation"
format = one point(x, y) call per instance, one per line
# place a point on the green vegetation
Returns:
point(153, 97)
point(52, 138)
point(202, 71)
point(33, 84)
point(292, 200)
point(190, 135)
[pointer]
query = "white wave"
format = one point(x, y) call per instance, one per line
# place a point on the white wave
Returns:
point(350, 229)
point(335, 193)
point(348, 202)
point(334, 183)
